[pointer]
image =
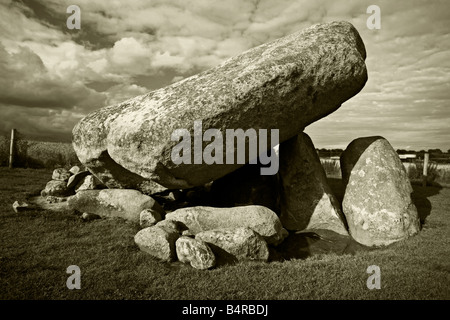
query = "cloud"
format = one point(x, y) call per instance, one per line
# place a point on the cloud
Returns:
point(128, 48)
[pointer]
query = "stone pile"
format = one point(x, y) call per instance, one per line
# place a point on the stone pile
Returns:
point(66, 182)
point(207, 215)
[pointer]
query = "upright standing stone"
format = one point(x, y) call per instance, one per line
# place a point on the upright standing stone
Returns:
point(377, 201)
point(307, 201)
point(286, 84)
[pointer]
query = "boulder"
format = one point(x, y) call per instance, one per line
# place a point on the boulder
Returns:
point(157, 242)
point(377, 201)
point(195, 252)
point(149, 217)
point(113, 203)
point(57, 188)
point(304, 76)
point(61, 174)
point(235, 244)
point(77, 178)
point(261, 219)
point(307, 201)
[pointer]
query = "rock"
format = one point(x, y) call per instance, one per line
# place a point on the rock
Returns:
point(61, 174)
point(307, 201)
point(261, 219)
point(89, 182)
point(235, 244)
point(113, 203)
point(77, 178)
point(57, 188)
point(304, 76)
point(157, 242)
point(89, 216)
point(195, 252)
point(377, 201)
point(20, 206)
point(149, 217)
point(246, 186)
point(74, 170)
point(172, 226)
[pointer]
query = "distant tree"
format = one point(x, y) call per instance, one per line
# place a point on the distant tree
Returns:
point(435, 151)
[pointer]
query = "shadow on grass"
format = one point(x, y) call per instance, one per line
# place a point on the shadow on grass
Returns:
point(420, 197)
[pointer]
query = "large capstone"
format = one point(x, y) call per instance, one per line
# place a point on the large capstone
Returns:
point(284, 85)
point(377, 201)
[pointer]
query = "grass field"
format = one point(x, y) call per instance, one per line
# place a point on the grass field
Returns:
point(38, 246)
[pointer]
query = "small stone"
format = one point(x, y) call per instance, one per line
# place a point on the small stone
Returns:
point(77, 178)
point(195, 252)
point(56, 188)
point(89, 216)
point(149, 217)
point(74, 169)
point(61, 174)
point(20, 207)
point(89, 182)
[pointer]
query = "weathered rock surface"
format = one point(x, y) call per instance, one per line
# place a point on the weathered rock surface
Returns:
point(377, 201)
point(61, 174)
point(113, 203)
point(157, 242)
point(89, 182)
point(195, 252)
point(307, 201)
point(235, 244)
point(303, 77)
point(57, 188)
point(149, 217)
point(261, 219)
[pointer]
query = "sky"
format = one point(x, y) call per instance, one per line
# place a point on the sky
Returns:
point(52, 76)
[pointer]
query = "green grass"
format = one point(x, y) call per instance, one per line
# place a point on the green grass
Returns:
point(38, 246)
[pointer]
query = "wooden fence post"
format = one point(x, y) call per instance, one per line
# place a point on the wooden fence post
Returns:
point(426, 158)
point(11, 149)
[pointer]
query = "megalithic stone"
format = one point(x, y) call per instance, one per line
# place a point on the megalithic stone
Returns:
point(286, 84)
